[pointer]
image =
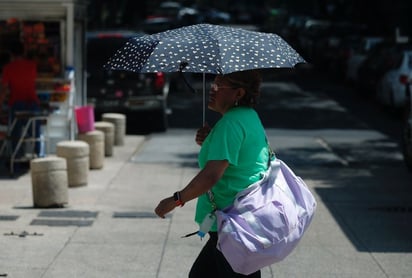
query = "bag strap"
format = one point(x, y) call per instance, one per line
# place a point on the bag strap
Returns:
point(271, 157)
point(272, 154)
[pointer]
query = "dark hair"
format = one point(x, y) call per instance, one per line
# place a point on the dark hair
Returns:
point(250, 81)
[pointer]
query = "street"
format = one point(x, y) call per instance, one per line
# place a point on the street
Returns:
point(344, 146)
point(352, 165)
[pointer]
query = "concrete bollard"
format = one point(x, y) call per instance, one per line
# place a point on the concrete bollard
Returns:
point(76, 154)
point(49, 182)
point(95, 139)
point(119, 121)
point(108, 129)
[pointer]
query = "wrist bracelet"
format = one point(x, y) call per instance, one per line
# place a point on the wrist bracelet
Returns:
point(178, 201)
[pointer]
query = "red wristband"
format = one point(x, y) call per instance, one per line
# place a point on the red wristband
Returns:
point(178, 201)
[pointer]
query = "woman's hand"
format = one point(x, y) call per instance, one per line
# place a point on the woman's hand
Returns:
point(202, 133)
point(165, 206)
point(199, 185)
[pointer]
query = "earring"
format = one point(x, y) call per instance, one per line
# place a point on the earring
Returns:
point(236, 103)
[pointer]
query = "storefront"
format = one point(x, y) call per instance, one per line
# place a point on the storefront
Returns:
point(53, 33)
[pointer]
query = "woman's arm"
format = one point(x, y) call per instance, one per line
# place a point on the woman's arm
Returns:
point(199, 185)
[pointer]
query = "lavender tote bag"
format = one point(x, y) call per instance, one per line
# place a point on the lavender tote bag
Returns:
point(266, 221)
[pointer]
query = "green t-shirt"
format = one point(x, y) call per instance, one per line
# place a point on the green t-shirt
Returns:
point(239, 138)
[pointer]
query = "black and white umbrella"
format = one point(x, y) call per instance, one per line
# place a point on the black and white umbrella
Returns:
point(205, 48)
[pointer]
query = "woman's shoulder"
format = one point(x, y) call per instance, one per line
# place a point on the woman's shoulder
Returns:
point(239, 119)
point(242, 115)
point(239, 112)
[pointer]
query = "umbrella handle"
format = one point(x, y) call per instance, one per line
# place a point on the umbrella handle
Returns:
point(204, 99)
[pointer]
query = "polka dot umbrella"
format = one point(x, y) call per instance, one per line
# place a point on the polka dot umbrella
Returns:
point(204, 48)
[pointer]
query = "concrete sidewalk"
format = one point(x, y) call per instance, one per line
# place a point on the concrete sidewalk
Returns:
point(109, 229)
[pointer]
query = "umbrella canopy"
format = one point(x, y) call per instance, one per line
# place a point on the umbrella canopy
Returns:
point(205, 48)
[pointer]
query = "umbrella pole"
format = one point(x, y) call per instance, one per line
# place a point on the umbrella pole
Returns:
point(204, 99)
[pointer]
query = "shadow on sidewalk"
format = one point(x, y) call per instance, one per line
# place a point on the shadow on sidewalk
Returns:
point(20, 169)
point(370, 198)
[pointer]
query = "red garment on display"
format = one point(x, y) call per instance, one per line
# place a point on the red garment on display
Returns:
point(20, 76)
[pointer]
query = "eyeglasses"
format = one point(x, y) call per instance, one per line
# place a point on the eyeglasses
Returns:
point(214, 87)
